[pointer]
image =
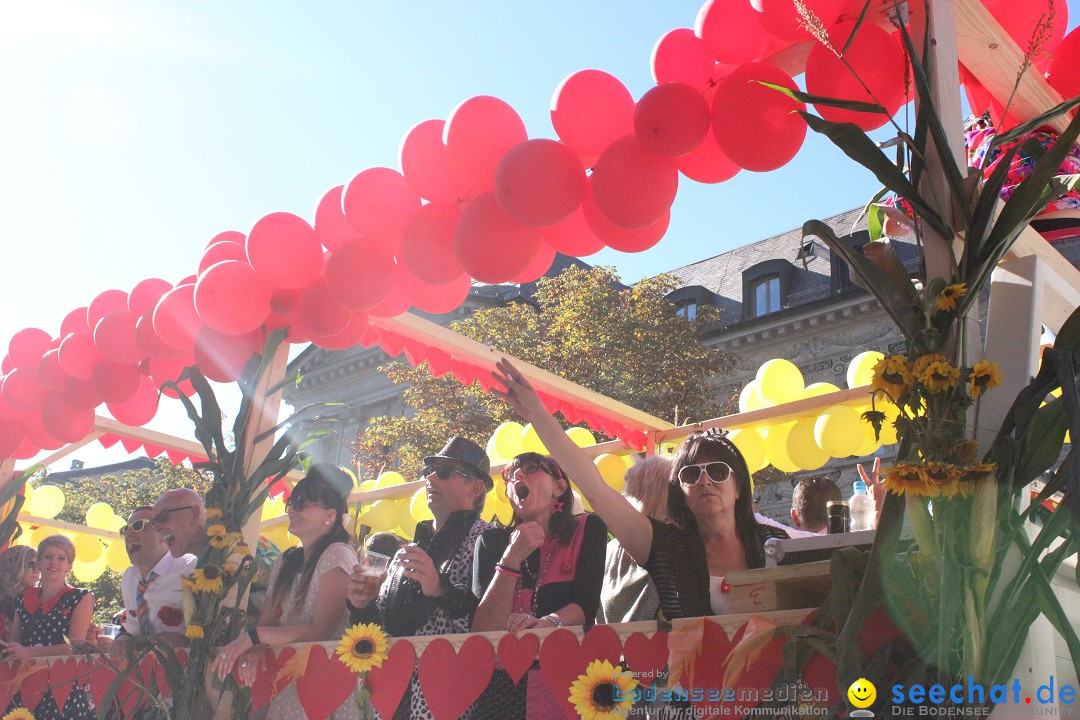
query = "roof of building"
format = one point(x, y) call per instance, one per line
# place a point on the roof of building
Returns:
point(84, 473)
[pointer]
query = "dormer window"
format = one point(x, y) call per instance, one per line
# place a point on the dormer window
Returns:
point(687, 309)
point(766, 295)
point(765, 287)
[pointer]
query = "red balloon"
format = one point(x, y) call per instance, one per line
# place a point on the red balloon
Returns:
point(395, 303)
point(6, 365)
point(166, 370)
point(540, 264)
point(22, 391)
point(81, 393)
point(11, 437)
point(146, 294)
point(632, 186)
point(708, 163)
point(148, 341)
point(74, 321)
point(220, 252)
point(79, 355)
point(114, 337)
point(877, 58)
point(427, 249)
point(573, 236)
point(782, 20)
point(175, 320)
point(319, 313)
point(283, 302)
point(65, 421)
point(49, 373)
point(358, 276)
point(671, 119)
point(1020, 20)
point(680, 56)
point(427, 167)
point(591, 109)
point(378, 204)
point(223, 358)
point(477, 134)
point(491, 246)
point(435, 299)
point(6, 411)
point(348, 337)
point(140, 409)
point(231, 298)
point(539, 182)
point(284, 251)
point(105, 303)
point(28, 345)
point(1064, 70)
point(37, 435)
point(27, 449)
point(756, 126)
point(331, 227)
point(622, 239)
point(731, 31)
point(233, 236)
point(115, 382)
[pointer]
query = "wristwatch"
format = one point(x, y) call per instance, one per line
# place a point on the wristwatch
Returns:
point(253, 634)
point(554, 620)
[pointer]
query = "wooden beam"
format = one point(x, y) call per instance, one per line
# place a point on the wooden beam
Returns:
point(105, 425)
point(1066, 277)
point(71, 527)
point(417, 328)
point(70, 448)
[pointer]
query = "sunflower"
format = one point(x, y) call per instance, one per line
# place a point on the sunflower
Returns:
point(892, 375)
point(363, 647)
point(942, 478)
point(940, 376)
point(946, 299)
point(984, 375)
point(19, 714)
point(194, 632)
point(234, 537)
point(603, 692)
point(217, 536)
point(214, 514)
point(208, 579)
point(909, 479)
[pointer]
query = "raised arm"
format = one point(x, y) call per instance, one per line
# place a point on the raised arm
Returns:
point(630, 527)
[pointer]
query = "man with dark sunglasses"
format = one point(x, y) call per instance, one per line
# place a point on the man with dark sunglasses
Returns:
point(180, 516)
point(428, 588)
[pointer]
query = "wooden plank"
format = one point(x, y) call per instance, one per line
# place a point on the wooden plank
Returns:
point(104, 425)
point(71, 527)
point(417, 328)
point(992, 56)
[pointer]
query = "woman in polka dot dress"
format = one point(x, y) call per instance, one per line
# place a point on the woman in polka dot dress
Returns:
point(45, 618)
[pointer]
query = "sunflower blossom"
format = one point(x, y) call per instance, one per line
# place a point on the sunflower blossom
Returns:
point(217, 536)
point(603, 692)
point(892, 375)
point(208, 579)
point(946, 299)
point(214, 514)
point(984, 375)
point(924, 361)
point(942, 478)
point(194, 632)
point(363, 647)
point(940, 376)
point(909, 479)
point(20, 713)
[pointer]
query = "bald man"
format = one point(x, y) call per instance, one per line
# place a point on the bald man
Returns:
point(180, 518)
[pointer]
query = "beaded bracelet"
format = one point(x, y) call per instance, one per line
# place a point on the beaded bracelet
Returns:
point(507, 570)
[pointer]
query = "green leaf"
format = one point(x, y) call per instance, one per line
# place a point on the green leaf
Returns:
point(983, 214)
point(1041, 443)
point(1035, 123)
point(819, 100)
point(858, 24)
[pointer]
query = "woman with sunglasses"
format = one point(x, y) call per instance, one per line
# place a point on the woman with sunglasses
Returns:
point(713, 531)
point(18, 571)
point(305, 599)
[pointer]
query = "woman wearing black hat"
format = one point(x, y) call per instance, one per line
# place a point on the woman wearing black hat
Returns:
point(305, 600)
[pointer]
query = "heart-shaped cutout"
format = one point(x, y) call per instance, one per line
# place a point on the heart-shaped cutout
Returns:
point(100, 677)
point(389, 682)
point(34, 685)
point(562, 659)
point(262, 688)
point(646, 656)
point(7, 683)
point(325, 685)
point(62, 674)
point(517, 654)
point(450, 681)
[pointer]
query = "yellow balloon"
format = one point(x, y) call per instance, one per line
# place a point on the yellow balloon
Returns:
point(801, 448)
point(629, 459)
point(504, 513)
point(530, 441)
point(39, 534)
point(870, 443)
point(116, 523)
point(751, 446)
point(406, 521)
point(99, 515)
point(493, 455)
point(24, 536)
point(612, 470)
point(88, 571)
point(28, 495)
point(87, 548)
point(491, 500)
point(383, 515)
point(272, 508)
point(581, 436)
point(389, 479)
point(776, 447)
point(418, 506)
point(116, 557)
point(779, 381)
point(838, 431)
point(860, 371)
point(750, 399)
point(500, 488)
point(278, 535)
point(507, 439)
point(819, 388)
point(48, 501)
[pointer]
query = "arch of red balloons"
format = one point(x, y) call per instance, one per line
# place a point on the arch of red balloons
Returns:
point(475, 199)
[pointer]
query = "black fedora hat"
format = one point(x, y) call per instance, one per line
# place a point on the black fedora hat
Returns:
point(467, 453)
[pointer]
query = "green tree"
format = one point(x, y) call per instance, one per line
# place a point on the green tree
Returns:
point(625, 342)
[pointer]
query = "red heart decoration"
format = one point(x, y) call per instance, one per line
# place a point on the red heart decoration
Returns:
point(325, 685)
point(562, 660)
point(517, 654)
point(261, 689)
point(7, 683)
point(100, 678)
point(389, 682)
point(646, 656)
point(450, 681)
point(712, 664)
point(62, 676)
point(34, 685)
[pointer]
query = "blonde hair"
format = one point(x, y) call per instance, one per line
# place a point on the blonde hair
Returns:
point(12, 565)
point(647, 486)
point(58, 541)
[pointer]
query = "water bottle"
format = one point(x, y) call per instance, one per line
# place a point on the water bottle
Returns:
point(862, 508)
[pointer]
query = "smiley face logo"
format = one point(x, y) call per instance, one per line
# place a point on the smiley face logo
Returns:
point(862, 693)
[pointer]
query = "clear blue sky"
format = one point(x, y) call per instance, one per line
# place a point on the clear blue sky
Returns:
point(134, 131)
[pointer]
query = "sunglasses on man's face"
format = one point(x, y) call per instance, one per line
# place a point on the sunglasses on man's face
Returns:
point(297, 503)
point(163, 517)
point(135, 526)
point(443, 471)
point(717, 472)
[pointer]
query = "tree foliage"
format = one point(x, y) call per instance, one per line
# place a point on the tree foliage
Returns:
point(625, 342)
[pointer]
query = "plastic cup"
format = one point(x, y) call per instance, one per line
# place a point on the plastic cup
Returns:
point(373, 564)
point(110, 631)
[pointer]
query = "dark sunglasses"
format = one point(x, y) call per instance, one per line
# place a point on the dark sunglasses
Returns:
point(530, 465)
point(443, 471)
point(299, 502)
point(31, 564)
point(136, 526)
point(163, 517)
point(717, 472)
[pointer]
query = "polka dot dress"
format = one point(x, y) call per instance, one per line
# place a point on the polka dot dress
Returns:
point(48, 626)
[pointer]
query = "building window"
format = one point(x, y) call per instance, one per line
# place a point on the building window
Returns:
point(766, 295)
point(687, 309)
